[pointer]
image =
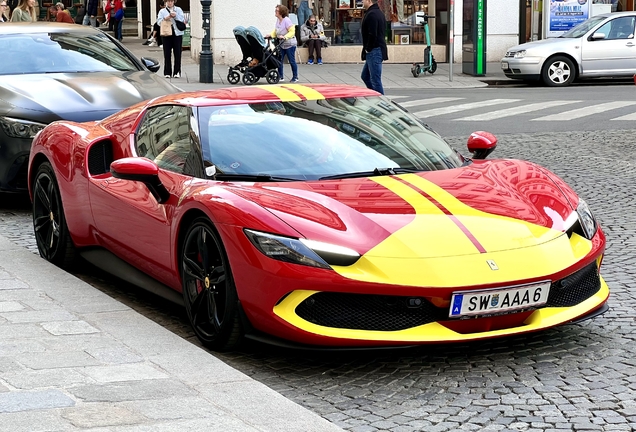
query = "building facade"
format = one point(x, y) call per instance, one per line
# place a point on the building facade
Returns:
point(508, 22)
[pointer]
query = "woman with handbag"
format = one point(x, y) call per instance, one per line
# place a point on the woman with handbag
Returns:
point(116, 11)
point(171, 23)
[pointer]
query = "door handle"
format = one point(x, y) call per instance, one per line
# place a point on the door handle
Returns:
point(629, 44)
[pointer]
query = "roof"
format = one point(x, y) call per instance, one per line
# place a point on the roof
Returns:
point(44, 27)
point(265, 93)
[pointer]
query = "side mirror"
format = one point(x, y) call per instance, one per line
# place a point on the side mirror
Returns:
point(152, 64)
point(481, 144)
point(143, 170)
point(598, 36)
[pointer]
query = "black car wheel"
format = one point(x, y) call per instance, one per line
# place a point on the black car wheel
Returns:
point(272, 76)
point(249, 78)
point(558, 71)
point(49, 223)
point(233, 77)
point(209, 293)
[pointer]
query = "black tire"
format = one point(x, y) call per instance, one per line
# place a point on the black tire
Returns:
point(49, 222)
point(272, 76)
point(233, 77)
point(558, 71)
point(249, 78)
point(415, 70)
point(209, 293)
point(433, 67)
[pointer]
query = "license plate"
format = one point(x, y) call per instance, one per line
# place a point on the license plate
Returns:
point(500, 300)
point(504, 65)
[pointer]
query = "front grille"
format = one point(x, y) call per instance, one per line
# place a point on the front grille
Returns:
point(100, 155)
point(574, 289)
point(18, 173)
point(368, 312)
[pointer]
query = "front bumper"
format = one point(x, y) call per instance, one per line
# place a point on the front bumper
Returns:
point(14, 158)
point(527, 68)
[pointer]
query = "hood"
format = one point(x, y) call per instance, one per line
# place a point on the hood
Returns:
point(79, 96)
point(548, 44)
point(489, 206)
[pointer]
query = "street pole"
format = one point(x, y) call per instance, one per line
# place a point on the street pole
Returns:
point(451, 39)
point(206, 61)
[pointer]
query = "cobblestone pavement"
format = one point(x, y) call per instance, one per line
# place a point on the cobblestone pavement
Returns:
point(578, 377)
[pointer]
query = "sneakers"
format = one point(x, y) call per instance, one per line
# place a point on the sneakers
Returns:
point(281, 79)
point(294, 80)
point(152, 44)
point(311, 61)
point(167, 76)
point(177, 75)
point(319, 61)
point(150, 41)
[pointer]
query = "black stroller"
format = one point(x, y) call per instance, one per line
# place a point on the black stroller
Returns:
point(234, 72)
point(262, 60)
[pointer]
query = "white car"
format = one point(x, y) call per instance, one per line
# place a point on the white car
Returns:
point(602, 46)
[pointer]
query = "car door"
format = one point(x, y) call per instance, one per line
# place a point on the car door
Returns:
point(613, 55)
point(128, 218)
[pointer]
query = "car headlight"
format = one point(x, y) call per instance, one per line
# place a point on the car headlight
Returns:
point(301, 251)
point(586, 219)
point(582, 222)
point(520, 54)
point(16, 128)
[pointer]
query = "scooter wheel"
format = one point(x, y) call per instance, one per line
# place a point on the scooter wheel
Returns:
point(433, 67)
point(415, 70)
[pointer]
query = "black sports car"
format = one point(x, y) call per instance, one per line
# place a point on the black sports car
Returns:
point(54, 71)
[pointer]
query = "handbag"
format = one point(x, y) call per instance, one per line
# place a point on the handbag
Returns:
point(165, 28)
point(119, 15)
point(180, 25)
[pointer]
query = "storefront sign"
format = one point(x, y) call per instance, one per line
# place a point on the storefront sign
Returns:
point(565, 14)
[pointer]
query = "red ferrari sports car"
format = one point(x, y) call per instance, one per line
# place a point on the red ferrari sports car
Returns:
point(316, 215)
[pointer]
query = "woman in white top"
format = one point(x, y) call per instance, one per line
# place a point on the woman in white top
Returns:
point(173, 42)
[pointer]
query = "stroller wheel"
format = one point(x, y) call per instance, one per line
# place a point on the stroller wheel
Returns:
point(233, 77)
point(433, 67)
point(272, 76)
point(415, 70)
point(249, 78)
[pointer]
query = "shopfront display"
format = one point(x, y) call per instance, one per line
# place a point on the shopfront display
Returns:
point(341, 20)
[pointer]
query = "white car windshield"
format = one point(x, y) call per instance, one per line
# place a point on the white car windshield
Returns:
point(581, 29)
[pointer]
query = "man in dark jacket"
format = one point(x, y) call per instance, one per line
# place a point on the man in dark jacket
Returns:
point(374, 50)
point(91, 12)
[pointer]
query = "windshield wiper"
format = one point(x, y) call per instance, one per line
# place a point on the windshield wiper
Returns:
point(376, 172)
point(252, 177)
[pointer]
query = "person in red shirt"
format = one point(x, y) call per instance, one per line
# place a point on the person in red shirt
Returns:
point(62, 14)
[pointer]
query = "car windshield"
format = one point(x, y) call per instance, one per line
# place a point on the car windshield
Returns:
point(323, 138)
point(61, 53)
point(581, 29)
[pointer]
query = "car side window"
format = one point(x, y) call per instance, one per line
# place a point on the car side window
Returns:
point(165, 137)
point(618, 28)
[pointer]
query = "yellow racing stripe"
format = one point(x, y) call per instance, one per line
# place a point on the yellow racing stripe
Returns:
point(285, 95)
point(307, 92)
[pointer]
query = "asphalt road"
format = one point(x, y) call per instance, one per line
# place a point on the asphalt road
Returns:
point(577, 377)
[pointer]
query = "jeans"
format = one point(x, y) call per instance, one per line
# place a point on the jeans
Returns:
point(117, 26)
point(372, 70)
point(314, 44)
point(291, 55)
point(303, 12)
point(89, 20)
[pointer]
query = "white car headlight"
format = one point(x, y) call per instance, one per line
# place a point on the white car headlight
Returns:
point(300, 251)
point(17, 128)
point(520, 54)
